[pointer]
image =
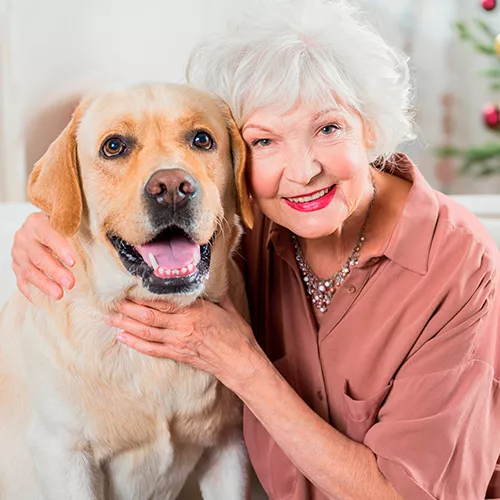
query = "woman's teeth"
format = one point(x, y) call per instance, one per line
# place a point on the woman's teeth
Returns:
point(315, 196)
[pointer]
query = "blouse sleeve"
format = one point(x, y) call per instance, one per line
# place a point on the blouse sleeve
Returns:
point(438, 432)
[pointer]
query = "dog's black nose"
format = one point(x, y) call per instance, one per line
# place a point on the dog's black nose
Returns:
point(171, 187)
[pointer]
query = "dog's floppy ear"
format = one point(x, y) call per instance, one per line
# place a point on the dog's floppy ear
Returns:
point(54, 183)
point(238, 151)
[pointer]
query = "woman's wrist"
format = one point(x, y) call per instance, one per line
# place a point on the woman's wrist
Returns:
point(253, 367)
point(256, 369)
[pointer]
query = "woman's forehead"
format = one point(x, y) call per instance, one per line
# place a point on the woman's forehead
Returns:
point(300, 112)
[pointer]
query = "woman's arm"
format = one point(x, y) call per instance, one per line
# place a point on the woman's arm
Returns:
point(337, 465)
point(217, 340)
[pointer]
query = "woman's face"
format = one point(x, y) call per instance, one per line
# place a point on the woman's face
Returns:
point(309, 168)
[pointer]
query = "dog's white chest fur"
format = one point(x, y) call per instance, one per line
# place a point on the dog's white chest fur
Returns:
point(138, 424)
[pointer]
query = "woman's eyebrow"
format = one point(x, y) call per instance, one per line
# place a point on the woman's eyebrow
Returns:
point(320, 114)
point(255, 126)
point(314, 117)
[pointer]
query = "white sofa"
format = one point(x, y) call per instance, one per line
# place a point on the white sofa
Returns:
point(12, 215)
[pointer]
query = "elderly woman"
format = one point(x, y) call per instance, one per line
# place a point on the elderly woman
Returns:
point(375, 300)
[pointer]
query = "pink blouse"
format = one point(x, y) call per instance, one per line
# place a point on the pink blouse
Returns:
point(407, 359)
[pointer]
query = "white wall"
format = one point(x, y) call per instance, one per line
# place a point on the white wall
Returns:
point(52, 50)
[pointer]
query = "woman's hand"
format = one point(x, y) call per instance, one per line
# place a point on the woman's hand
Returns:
point(33, 260)
point(213, 338)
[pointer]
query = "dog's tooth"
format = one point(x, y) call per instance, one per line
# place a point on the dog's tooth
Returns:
point(184, 270)
point(161, 271)
point(168, 272)
point(175, 272)
point(153, 261)
point(190, 267)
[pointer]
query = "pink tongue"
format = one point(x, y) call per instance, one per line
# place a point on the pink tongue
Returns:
point(175, 253)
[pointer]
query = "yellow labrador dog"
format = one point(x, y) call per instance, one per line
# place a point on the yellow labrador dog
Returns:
point(145, 179)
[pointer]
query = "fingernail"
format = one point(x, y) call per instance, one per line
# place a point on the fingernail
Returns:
point(108, 319)
point(55, 292)
point(66, 283)
point(69, 260)
point(121, 338)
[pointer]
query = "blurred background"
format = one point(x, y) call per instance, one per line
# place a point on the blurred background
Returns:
point(51, 51)
point(455, 60)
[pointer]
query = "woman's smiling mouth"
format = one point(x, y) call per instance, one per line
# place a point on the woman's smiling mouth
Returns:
point(312, 202)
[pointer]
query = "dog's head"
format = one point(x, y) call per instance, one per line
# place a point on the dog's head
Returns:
point(153, 174)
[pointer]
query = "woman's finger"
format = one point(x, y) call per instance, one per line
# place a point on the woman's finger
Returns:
point(151, 348)
point(44, 261)
point(158, 305)
point(24, 288)
point(149, 315)
point(33, 260)
point(51, 238)
point(142, 313)
point(30, 274)
point(137, 328)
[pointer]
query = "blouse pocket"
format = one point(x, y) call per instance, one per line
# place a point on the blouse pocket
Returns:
point(274, 469)
point(361, 414)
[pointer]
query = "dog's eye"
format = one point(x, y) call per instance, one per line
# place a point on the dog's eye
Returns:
point(202, 140)
point(113, 147)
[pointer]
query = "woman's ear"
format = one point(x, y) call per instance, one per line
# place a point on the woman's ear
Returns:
point(54, 184)
point(368, 135)
point(238, 151)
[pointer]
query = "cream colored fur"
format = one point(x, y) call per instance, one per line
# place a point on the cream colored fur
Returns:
point(83, 417)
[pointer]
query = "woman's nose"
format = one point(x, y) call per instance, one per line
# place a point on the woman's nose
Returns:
point(301, 167)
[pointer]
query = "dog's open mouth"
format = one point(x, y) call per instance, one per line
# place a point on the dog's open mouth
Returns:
point(170, 263)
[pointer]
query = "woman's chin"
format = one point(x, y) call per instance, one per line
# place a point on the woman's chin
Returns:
point(313, 235)
point(311, 225)
point(314, 229)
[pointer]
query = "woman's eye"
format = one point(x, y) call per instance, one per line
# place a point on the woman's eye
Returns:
point(203, 140)
point(262, 142)
point(329, 129)
point(113, 147)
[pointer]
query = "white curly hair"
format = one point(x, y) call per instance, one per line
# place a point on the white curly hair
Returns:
point(314, 51)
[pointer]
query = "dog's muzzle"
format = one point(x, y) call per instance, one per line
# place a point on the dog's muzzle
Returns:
point(171, 262)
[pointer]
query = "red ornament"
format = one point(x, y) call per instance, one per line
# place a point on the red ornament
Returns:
point(491, 116)
point(489, 4)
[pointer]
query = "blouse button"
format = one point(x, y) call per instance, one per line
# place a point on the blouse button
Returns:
point(320, 395)
point(351, 289)
point(375, 260)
